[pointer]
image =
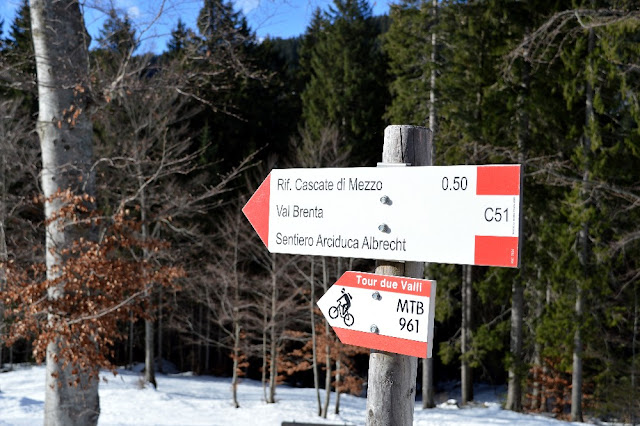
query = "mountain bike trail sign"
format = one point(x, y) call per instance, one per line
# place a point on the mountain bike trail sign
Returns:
point(445, 214)
point(387, 313)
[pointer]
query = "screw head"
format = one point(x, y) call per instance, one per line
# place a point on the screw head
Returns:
point(376, 295)
point(384, 228)
point(374, 329)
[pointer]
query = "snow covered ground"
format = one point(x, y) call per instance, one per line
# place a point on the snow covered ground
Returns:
point(183, 399)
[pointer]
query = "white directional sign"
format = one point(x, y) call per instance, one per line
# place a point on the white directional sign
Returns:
point(388, 313)
point(445, 214)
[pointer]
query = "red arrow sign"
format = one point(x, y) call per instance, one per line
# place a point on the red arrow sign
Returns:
point(443, 214)
point(387, 313)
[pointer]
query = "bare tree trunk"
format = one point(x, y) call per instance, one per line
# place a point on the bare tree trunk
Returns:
point(149, 365)
point(273, 361)
point(584, 255)
point(392, 377)
point(4, 255)
point(149, 358)
point(159, 355)
point(339, 272)
point(434, 75)
point(273, 368)
point(465, 345)
point(576, 377)
point(236, 354)
point(207, 348)
point(537, 391)
point(264, 356)
point(514, 392)
point(65, 130)
point(236, 318)
point(327, 329)
point(338, 379)
point(314, 337)
point(428, 394)
point(131, 325)
point(634, 340)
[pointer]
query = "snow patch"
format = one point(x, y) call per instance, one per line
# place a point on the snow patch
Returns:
point(185, 399)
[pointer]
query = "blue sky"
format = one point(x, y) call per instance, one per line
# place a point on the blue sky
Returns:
point(275, 18)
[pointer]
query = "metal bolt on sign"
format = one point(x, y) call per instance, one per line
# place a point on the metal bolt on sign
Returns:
point(384, 228)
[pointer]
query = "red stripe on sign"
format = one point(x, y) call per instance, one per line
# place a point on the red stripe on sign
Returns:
point(496, 251)
point(257, 210)
point(412, 286)
point(382, 343)
point(498, 180)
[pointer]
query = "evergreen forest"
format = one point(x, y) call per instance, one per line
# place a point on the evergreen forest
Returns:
point(165, 270)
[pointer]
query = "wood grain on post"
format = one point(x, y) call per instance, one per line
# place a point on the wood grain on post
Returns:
point(391, 390)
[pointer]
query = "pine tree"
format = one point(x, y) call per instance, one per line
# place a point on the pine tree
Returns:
point(181, 38)
point(222, 28)
point(586, 47)
point(224, 79)
point(19, 61)
point(20, 42)
point(408, 45)
point(527, 129)
point(474, 40)
point(347, 86)
point(596, 95)
point(117, 42)
point(117, 34)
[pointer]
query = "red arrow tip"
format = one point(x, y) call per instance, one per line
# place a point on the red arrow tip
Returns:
point(257, 210)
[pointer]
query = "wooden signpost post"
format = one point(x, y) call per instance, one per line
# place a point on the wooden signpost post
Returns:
point(391, 391)
point(402, 216)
